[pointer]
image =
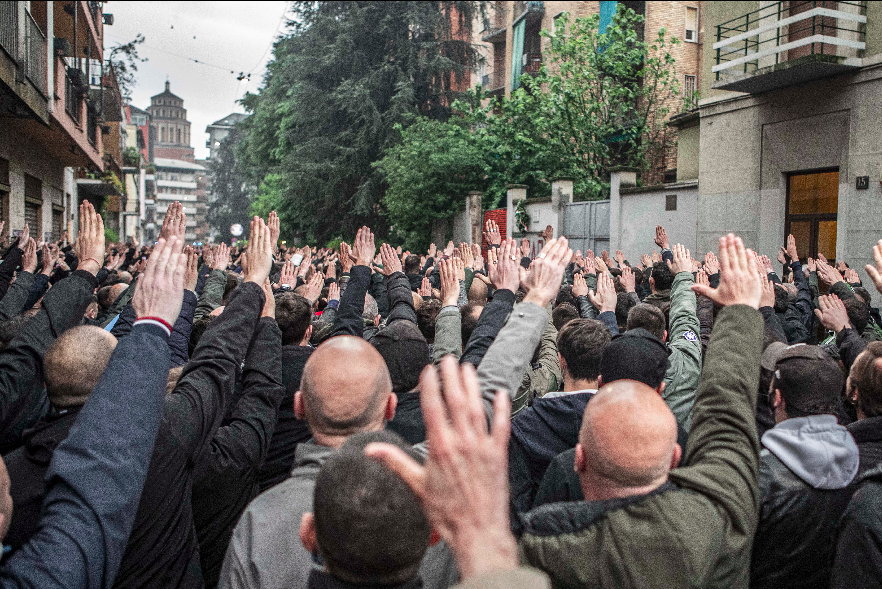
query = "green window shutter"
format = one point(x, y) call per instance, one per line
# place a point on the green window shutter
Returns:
point(517, 53)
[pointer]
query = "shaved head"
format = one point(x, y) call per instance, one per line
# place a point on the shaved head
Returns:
point(628, 439)
point(345, 388)
point(75, 362)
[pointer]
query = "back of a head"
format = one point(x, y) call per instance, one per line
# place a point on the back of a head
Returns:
point(233, 280)
point(662, 276)
point(199, 327)
point(628, 435)
point(563, 314)
point(478, 293)
point(370, 526)
point(810, 381)
point(581, 343)
point(406, 353)
point(74, 363)
point(858, 312)
point(371, 310)
point(624, 304)
point(426, 316)
point(412, 264)
point(635, 355)
point(294, 316)
point(866, 378)
point(470, 315)
point(565, 295)
point(648, 317)
point(345, 387)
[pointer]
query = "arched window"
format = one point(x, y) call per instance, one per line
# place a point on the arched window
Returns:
point(162, 134)
point(179, 135)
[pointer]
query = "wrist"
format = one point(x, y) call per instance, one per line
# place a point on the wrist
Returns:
point(90, 265)
point(484, 552)
point(536, 299)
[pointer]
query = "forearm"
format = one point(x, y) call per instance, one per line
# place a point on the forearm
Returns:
point(7, 268)
point(17, 295)
point(38, 289)
point(490, 322)
point(348, 320)
point(586, 309)
point(400, 298)
point(179, 341)
point(503, 367)
point(212, 295)
point(608, 318)
point(448, 333)
point(773, 324)
point(851, 344)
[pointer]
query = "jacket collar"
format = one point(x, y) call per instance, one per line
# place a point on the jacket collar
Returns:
point(322, 580)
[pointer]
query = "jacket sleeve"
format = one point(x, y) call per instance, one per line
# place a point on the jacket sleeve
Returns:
point(195, 408)
point(8, 266)
point(179, 341)
point(586, 309)
point(94, 482)
point(608, 318)
point(492, 319)
point(38, 289)
point(704, 309)
point(400, 298)
point(243, 441)
point(803, 303)
point(545, 377)
point(448, 333)
point(21, 362)
point(683, 340)
point(348, 320)
point(212, 294)
point(204, 273)
point(723, 448)
point(123, 325)
point(771, 322)
point(509, 357)
point(118, 305)
point(378, 291)
point(842, 290)
point(851, 344)
point(17, 295)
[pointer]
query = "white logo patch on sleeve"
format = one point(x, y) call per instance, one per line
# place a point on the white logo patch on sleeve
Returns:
point(690, 336)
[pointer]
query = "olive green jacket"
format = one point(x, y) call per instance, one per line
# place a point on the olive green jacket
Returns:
point(684, 341)
point(697, 529)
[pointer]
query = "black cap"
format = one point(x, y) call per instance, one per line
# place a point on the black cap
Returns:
point(635, 355)
point(809, 375)
point(406, 352)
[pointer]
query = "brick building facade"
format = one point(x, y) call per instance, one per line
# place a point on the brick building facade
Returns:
point(169, 127)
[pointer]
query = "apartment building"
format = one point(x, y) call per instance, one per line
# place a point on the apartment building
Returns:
point(511, 44)
point(178, 180)
point(786, 136)
point(57, 97)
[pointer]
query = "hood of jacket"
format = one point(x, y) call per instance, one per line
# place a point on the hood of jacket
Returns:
point(551, 425)
point(816, 448)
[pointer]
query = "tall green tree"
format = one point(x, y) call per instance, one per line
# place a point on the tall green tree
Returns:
point(232, 202)
point(339, 82)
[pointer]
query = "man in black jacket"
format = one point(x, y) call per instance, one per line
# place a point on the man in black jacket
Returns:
point(294, 317)
point(226, 478)
point(163, 548)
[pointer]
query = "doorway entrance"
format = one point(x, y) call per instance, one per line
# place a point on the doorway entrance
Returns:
point(812, 204)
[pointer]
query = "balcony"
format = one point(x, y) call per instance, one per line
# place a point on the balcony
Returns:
point(788, 43)
point(531, 11)
point(35, 54)
point(494, 82)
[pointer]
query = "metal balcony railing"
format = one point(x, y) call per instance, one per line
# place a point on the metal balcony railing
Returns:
point(9, 28)
point(71, 98)
point(35, 54)
point(785, 31)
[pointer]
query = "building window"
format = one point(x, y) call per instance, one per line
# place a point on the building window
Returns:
point(671, 202)
point(689, 91)
point(811, 212)
point(33, 204)
point(179, 135)
point(691, 24)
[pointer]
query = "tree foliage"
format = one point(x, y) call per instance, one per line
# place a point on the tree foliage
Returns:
point(124, 59)
point(599, 100)
point(232, 202)
point(339, 83)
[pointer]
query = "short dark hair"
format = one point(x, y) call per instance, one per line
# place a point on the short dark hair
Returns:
point(426, 316)
point(233, 281)
point(650, 318)
point(858, 312)
point(563, 314)
point(662, 276)
point(565, 295)
point(863, 293)
point(866, 377)
point(370, 526)
point(199, 327)
point(624, 304)
point(469, 321)
point(294, 316)
point(412, 264)
point(782, 299)
point(581, 343)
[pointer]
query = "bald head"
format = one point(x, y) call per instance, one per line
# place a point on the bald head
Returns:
point(74, 363)
point(628, 441)
point(478, 292)
point(345, 388)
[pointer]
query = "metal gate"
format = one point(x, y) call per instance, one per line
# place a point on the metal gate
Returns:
point(586, 225)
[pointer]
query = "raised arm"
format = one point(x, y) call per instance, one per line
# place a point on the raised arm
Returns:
point(213, 291)
point(397, 287)
point(448, 323)
point(348, 320)
point(94, 482)
point(198, 403)
point(684, 339)
point(505, 362)
point(723, 449)
point(12, 260)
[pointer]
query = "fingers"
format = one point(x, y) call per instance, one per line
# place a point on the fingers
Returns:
point(704, 290)
point(401, 464)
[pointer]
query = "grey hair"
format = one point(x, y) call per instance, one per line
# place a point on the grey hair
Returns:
point(370, 308)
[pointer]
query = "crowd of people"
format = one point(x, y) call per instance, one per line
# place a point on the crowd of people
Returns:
point(266, 417)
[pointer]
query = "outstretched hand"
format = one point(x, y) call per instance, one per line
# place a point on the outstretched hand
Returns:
point(682, 260)
point(545, 275)
point(90, 240)
point(160, 289)
point(740, 281)
point(260, 252)
point(875, 272)
point(832, 314)
point(504, 271)
point(464, 484)
point(605, 298)
point(391, 262)
point(363, 248)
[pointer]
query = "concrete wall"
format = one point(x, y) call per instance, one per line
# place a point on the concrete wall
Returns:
point(750, 144)
point(687, 153)
point(643, 209)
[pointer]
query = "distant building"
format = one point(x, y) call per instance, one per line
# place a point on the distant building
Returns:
point(217, 132)
point(178, 180)
point(140, 120)
point(169, 127)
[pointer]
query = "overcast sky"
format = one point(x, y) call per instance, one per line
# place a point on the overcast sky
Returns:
point(226, 36)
